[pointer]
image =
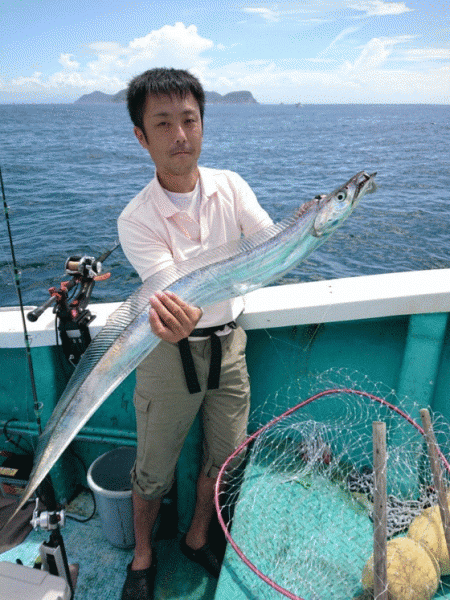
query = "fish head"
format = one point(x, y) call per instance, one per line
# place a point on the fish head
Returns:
point(338, 205)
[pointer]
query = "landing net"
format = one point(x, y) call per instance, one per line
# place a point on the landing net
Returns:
point(299, 510)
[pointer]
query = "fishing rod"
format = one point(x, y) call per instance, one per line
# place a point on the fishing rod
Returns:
point(50, 520)
point(36, 403)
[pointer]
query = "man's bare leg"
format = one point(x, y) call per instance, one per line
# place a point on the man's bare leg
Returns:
point(145, 514)
point(197, 536)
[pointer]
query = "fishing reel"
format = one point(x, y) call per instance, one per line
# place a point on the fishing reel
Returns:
point(47, 520)
point(73, 316)
point(84, 266)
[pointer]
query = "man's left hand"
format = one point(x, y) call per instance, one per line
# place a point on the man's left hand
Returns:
point(172, 319)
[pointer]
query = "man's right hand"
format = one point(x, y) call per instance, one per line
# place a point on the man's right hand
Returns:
point(172, 319)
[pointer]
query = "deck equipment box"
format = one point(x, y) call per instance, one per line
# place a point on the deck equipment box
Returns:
point(25, 583)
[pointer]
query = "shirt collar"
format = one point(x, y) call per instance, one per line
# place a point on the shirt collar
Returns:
point(208, 182)
point(168, 209)
point(161, 200)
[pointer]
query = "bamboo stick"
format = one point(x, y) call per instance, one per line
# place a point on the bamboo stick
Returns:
point(437, 473)
point(379, 507)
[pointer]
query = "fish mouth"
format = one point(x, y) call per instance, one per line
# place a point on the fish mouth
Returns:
point(360, 184)
point(365, 183)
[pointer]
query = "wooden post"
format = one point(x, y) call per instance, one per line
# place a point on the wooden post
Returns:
point(437, 474)
point(379, 508)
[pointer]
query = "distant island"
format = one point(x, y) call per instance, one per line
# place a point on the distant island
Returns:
point(211, 98)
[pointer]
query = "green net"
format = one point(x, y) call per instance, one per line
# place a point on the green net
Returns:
point(299, 512)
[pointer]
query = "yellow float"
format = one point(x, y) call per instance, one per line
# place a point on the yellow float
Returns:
point(427, 530)
point(412, 572)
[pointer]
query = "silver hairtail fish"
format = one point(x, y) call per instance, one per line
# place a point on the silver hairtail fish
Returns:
point(213, 276)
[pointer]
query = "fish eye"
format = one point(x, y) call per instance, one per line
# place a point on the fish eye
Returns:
point(341, 196)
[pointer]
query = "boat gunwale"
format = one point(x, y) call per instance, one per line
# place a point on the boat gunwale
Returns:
point(326, 301)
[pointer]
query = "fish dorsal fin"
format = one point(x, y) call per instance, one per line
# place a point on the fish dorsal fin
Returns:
point(162, 279)
point(215, 255)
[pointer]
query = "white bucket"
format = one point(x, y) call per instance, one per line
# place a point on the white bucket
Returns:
point(109, 479)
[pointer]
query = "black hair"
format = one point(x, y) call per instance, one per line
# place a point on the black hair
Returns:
point(161, 82)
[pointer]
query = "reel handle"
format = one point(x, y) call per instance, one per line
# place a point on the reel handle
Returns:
point(34, 315)
point(37, 312)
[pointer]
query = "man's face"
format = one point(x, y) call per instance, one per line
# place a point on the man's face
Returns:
point(173, 136)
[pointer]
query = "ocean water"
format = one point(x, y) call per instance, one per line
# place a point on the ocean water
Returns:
point(69, 170)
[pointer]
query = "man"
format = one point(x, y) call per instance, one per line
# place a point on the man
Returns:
point(199, 364)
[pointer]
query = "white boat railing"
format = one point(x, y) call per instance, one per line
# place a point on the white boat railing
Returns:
point(335, 300)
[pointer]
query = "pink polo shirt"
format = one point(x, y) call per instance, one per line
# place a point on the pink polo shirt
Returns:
point(154, 232)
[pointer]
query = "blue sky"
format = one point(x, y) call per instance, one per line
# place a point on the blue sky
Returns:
point(323, 51)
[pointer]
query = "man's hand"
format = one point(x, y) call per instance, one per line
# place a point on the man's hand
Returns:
point(172, 319)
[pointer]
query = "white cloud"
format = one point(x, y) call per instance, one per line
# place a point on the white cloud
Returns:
point(406, 86)
point(73, 80)
point(371, 84)
point(266, 13)
point(364, 78)
point(378, 8)
point(179, 42)
point(113, 65)
point(370, 8)
point(338, 38)
point(274, 15)
point(370, 77)
point(108, 57)
point(223, 47)
point(417, 54)
point(36, 78)
point(375, 53)
point(66, 61)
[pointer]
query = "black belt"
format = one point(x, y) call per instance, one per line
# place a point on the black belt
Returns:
point(216, 358)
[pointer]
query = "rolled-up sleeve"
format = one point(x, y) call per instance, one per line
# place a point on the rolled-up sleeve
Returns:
point(142, 247)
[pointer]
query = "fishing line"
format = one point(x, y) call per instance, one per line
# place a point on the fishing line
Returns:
point(296, 347)
point(284, 363)
point(36, 403)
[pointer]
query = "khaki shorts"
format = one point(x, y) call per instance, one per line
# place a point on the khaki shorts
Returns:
point(165, 411)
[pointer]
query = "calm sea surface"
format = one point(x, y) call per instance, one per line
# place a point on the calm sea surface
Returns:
point(70, 169)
